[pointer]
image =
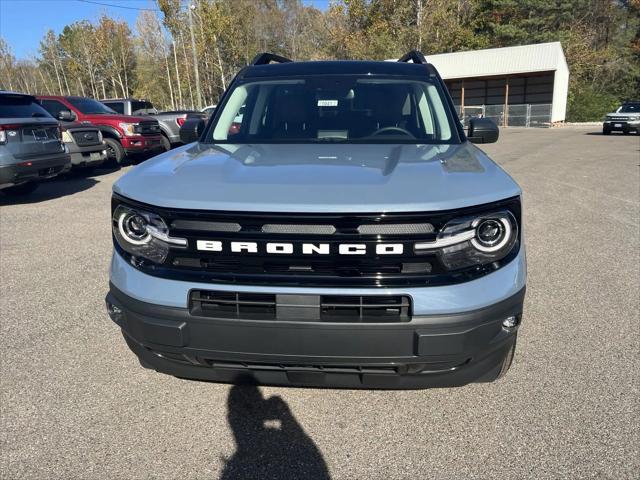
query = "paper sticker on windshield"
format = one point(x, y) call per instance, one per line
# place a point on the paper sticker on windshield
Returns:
point(327, 103)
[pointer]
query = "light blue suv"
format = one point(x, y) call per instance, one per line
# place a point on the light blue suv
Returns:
point(342, 232)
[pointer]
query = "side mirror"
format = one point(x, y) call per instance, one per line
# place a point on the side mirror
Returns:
point(66, 116)
point(483, 130)
point(191, 130)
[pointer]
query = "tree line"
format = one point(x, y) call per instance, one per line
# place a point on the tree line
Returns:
point(104, 58)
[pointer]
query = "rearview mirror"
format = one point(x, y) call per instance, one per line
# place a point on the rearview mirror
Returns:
point(483, 130)
point(66, 116)
point(191, 130)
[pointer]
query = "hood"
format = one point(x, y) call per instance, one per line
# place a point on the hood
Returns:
point(338, 178)
point(624, 114)
point(73, 126)
point(99, 118)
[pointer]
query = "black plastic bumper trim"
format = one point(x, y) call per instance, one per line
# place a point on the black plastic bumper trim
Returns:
point(434, 350)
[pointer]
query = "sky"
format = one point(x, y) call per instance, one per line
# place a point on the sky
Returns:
point(23, 23)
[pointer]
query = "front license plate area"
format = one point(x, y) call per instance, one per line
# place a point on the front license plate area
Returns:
point(95, 156)
point(617, 125)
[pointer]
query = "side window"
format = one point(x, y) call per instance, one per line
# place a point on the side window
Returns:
point(117, 106)
point(53, 107)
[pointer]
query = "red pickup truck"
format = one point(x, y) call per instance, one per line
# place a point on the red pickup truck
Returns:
point(123, 134)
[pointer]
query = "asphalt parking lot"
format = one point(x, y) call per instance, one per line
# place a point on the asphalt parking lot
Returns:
point(76, 404)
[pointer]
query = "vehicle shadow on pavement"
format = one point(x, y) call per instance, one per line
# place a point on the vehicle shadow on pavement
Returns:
point(270, 443)
point(49, 190)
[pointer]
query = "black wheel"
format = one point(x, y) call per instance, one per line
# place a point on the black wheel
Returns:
point(23, 189)
point(115, 152)
point(606, 131)
point(166, 144)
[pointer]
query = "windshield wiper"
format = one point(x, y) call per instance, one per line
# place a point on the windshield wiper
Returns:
point(38, 115)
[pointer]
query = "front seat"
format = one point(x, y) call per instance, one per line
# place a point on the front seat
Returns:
point(387, 109)
point(291, 117)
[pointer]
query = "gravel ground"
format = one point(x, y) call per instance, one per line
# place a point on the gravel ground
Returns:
point(76, 404)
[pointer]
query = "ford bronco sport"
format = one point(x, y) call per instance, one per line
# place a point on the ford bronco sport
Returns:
point(625, 119)
point(346, 234)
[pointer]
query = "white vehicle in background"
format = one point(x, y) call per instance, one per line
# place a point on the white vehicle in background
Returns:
point(208, 110)
point(625, 119)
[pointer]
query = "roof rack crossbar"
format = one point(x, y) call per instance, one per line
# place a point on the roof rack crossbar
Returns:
point(415, 56)
point(266, 58)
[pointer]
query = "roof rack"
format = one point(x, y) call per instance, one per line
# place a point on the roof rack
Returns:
point(267, 58)
point(415, 56)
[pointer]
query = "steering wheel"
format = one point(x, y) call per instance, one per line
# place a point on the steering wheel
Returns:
point(393, 129)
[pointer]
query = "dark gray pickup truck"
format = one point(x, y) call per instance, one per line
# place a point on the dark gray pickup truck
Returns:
point(170, 122)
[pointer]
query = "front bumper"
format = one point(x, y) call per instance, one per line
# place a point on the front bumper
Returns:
point(89, 156)
point(35, 169)
point(621, 125)
point(141, 143)
point(429, 351)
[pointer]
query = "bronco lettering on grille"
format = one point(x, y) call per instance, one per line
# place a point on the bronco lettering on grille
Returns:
point(279, 248)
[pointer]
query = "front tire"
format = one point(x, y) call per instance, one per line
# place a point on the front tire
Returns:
point(19, 190)
point(166, 144)
point(115, 152)
point(606, 131)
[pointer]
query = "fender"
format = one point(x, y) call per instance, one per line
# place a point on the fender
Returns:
point(109, 130)
point(163, 129)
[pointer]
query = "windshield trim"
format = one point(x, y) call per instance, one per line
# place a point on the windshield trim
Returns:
point(457, 136)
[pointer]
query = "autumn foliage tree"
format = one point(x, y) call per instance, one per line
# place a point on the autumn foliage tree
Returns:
point(104, 58)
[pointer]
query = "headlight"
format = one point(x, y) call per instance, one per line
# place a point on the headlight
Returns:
point(100, 138)
point(66, 137)
point(474, 240)
point(143, 234)
point(128, 128)
point(492, 234)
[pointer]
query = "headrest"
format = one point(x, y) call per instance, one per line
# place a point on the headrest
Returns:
point(290, 109)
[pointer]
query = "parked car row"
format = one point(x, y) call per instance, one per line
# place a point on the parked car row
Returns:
point(43, 136)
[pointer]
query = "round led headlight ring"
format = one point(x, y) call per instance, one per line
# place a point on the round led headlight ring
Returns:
point(133, 227)
point(492, 234)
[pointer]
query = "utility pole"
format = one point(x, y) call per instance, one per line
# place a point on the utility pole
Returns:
point(195, 58)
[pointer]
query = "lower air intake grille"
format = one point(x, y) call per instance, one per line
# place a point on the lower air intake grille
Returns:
point(318, 308)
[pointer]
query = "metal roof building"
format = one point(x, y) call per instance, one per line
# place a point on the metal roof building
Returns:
point(508, 81)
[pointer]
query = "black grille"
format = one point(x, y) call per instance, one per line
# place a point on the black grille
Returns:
point(321, 308)
point(85, 138)
point(219, 263)
point(149, 127)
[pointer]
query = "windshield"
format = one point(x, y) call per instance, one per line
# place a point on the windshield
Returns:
point(88, 106)
point(349, 109)
point(142, 107)
point(630, 108)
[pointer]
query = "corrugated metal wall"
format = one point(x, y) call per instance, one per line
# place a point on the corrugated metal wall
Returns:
point(511, 90)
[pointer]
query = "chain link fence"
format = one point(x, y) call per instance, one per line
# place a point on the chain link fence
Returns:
point(526, 115)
